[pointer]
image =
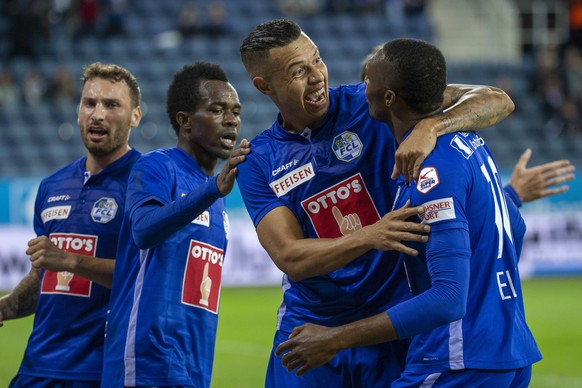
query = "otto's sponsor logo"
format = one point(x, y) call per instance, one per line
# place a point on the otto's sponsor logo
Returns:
point(202, 276)
point(342, 208)
point(347, 146)
point(202, 219)
point(104, 210)
point(55, 213)
point(284, 167)
point(78, 243)
point(292, 179)
point(438, 210)
point(64, 197)
point(428, 180)
point(65, 282)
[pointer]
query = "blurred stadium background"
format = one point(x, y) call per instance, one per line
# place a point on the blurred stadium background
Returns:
point(529, 48)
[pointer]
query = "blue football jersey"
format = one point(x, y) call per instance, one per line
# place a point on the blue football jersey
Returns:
point(342, 167)
point(85, 218)
point(161, 327)
point(460, 188)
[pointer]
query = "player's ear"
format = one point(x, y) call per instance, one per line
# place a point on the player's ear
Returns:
point(135, 117)
point(262, 85)
point(389, 97)
point(183, 120)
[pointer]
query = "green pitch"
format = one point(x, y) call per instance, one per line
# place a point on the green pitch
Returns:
point(248, 316)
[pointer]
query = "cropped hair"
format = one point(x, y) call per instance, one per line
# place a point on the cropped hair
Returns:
point(272, 34)
point(184, 91)
point(114, 73)
point(420, 70)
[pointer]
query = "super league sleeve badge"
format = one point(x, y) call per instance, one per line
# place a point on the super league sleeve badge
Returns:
point(427, 180)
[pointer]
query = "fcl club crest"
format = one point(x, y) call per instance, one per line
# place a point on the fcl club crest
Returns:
point(347, 146)
point(104, 210)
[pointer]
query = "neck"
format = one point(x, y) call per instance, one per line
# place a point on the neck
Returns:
point(401, 125)
point(206, 162)
point(96, 163)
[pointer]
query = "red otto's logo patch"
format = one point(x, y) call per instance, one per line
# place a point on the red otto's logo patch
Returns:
point(428, 180)
point(66, 282)
point(292, 179)
point(438, 210)
point(341, 209)
point(202, 276)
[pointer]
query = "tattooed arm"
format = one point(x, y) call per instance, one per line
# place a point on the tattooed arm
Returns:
point(466, 107)
point(22, 301)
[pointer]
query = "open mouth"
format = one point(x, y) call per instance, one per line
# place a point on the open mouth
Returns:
point(316, 98)
point(97, 132)
point(228, 140)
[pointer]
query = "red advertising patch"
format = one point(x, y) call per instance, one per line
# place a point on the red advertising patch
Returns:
point(341, 209)
point(68, 283)
point(202, 276)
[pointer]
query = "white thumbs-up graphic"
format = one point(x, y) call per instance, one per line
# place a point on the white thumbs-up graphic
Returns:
point(347, 224)
point(205, 286)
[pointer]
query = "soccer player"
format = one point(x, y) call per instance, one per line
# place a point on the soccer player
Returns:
point(77, 217)
point(466, 319)
point(317, 187)
point(161, 328)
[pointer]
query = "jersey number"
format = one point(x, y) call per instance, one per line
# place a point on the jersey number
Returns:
point(501, 214)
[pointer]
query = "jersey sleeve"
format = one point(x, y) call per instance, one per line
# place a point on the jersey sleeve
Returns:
point(442, 189)
point(37, 222)
point(518, 226)
point(257, 195)
point(149, 181)
point(512, 195)
point(448, 257)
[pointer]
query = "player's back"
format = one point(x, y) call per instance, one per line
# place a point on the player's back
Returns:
point(460, 187)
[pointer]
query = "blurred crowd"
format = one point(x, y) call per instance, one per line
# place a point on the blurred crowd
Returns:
point(35, 88)
point(557, 80)
point(37, 28)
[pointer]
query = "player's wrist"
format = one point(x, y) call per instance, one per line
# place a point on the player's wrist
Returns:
point(73, 262)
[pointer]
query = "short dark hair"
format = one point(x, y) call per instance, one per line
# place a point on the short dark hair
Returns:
point(266, 36)
point(420, 70)
point(184, 91)
point(114, 73)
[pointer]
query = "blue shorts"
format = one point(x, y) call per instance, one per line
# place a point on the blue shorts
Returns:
point(474, 378)
point(367, 366)
point(21, 381)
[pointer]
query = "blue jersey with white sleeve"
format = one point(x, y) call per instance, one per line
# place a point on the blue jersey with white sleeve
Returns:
point(161, 327)
point(468, 310)
point(81, 214)
point(340, 168)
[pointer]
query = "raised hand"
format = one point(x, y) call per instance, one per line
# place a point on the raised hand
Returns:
point(540, 181)
point(226, 178)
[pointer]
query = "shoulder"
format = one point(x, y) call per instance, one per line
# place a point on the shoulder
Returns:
point(160, 156)
point(70, 170)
